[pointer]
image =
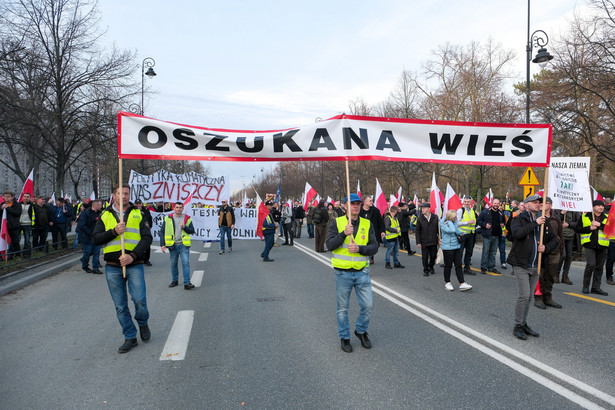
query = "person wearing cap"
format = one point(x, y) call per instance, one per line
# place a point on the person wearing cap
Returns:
point(268, 227)
point(148, 218)
point(404, 216)
point(427, 237)
point(226, 223)
point(392, 232)
point(523, 257)
point(596, 244)
point(352, 240)
point(550, 260)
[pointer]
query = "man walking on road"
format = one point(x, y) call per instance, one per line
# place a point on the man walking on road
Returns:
point(85, 228)
point(427, 238)
point(268, 233)
point(226, 223)
point(491, 221)
point(137, 238)
point(353, 242)
point(175, 235)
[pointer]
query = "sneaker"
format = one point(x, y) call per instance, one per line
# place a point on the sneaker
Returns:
point(173, 284)
point(128, 344)
point(346, 346)
point(87, 270)
point(222, 251)
point(518, 331)
point(449, 286)
point(365, 342)
point(504, 266)
point(465, 286)
point(145, 333)
point(230, 250)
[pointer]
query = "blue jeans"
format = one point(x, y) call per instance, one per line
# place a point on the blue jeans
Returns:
point(502, 247)
point(76, 241)
point(89, 249)
point(345, 281)
point(180, 251)
point(310, 229)
point(225, 230)
point(490, 247)
point(269, 240)
point(392, 249)
point(136, 286)
point(27, 233)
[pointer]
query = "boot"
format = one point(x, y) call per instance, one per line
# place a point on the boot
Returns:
point(556, 278)
point(566, 280)
point(388, 265)
point(518, 331)
point(539, 303)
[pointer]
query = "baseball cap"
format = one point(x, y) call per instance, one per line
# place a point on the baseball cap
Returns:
point(267, 203)
point(532, 198)
point(353, 198)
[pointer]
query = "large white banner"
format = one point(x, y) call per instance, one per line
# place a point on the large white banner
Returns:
point(166, 186)
point(205, 221)
point(569, 184)
point(338, 138)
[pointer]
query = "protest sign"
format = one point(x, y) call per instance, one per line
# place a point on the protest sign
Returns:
point(569, 184)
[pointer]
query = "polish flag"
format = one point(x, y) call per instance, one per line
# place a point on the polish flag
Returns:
point(262, 214)
point(541, 193)
point(359, 189)
point(91, 198)
point(316, 200)
point(330, 201)
point(596, 195)
point(53, 199)
point(488, 199)
point(416, 201)
point(435, 198)
point(398, 196)
point(289, 203)
point(5, 239)
point(609, 226)
point(28, 186)
point(393, 201)
point(451, 200)
point(308, 195)
point(380, 200)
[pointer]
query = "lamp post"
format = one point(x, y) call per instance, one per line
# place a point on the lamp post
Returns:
point(538, 39)
point(149, 63)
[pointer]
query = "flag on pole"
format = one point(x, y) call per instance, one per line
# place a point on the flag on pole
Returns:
point(330, 201)
point(488, 199)
point(393, 200)
point(434, 198)
point(596, 195)
point(277, 194)
point(609, 226)
point(5, 239)
point(244, 204)
point(416, 202)
point(308, 195)
point(398, 196)
point(316, 200)
point(28, 186)
point(451, 200)
point(380, 200)
point(91, 198)
point(359, 189)
point(53, 199)
point(262, 214)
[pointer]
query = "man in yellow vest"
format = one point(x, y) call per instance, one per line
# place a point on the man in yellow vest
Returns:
point(591, 228)
point(466, 218)
point(175, 235)
point(392, 233)
point(137, 238)
point(353, 241)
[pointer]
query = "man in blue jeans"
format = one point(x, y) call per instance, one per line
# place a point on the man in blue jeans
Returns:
point(268, 227)
point(137, 238)
point(491, 221)
point(226, 223)
point(353, 241)
point(85, 227)
point(175, 235)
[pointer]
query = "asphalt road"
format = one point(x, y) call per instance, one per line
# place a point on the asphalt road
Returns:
point(264, 336)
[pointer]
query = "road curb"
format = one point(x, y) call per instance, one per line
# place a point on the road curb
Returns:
point(32, 275)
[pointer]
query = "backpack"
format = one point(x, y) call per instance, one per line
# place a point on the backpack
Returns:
point(317, 217)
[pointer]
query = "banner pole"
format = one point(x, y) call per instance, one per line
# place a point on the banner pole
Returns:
point(542, 227)
point(348, 197)
point(121, 207)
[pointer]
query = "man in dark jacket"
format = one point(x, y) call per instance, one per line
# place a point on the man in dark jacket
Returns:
point(60, 217)
point(523, 258)
point(298, 216)
point(13, 212)
point(569, 223)
point(550, 260)
point(85, 228)
point(40, 230)
point(404, 216)
point(427, 237)
point(491, 220)
point(369, 211)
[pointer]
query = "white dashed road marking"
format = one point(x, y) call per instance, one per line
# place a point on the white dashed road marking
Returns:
point(177, 342)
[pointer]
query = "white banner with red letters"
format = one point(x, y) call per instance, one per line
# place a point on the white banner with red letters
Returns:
point(165, 186)
point(339, 138)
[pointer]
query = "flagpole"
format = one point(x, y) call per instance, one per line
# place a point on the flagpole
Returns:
point(542, 227)
point(121, 204)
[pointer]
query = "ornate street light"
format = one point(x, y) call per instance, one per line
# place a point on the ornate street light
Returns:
point(149, 63)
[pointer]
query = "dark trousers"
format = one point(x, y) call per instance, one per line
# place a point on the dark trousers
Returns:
point(14, 246)
point(288, 232)
point(39, 238)
point(594, 259)
point(405, 242)
point(610, 259)
point(310, 229)
point(565, 259)
point(453, 256)
point(429, 257)
point(58, 235)
point(26, 230)
point(296, 228)
point(547, 277)
point(467, 248)
point(321, 235)
point(269, 239)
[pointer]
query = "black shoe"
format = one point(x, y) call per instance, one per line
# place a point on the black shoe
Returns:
point(189, 286)
point(585, 290)
point(284, 244)
point(346, 346)
point(87, 270)
point(399, 266)
point(599, 291)
point(518, 331)
point(553, 304)
point(145, 333)
point(97, 272)
point(425, 273)
point(411, 252)
point(494, 270)
point(173, 284)
point(267, 260)
point(365, 342)
point(128, 344)
point(483, 271)
point(469, 272)
point(441, 265)
point(148, 263)
point(540, 304)
point(528, 330)
point(388, 265)
point(432, 271)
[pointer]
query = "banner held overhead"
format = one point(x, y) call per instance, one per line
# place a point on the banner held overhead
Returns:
point(340, 138)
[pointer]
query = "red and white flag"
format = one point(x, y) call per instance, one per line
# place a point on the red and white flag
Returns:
point(359, 189)
point(5, 239)
point(451, 200)
point(316, 200)
point(398, 196)
point(262, 214)
point(416, 201)
point(91, 198)
point(379, 200)
point(435, 198)
point(488, 199)
point(596, 195)
point(28, 186)
point(53, 199)
point(393, 201)
point(308, 195)
point(330, 201)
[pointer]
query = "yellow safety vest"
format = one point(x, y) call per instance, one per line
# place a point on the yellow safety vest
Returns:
point(342, 259)
point(269, 221)
point(586, 237)
point(169, 232)
point(467, 216)
point(132, 235)
point(394, 224)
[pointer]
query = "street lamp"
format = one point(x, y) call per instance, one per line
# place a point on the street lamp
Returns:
point(538, 39)
point(149, 63)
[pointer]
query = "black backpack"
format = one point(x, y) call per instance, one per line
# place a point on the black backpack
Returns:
point(317, 217)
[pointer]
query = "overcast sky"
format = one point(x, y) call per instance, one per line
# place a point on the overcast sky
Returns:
point(263, 65)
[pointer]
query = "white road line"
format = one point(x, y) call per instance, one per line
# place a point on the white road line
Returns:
point(567, 393)
point(203, 257)
point(197, 277)
point(177, 342)
point(207, 244)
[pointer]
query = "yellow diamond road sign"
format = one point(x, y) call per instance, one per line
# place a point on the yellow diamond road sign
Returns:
point(528, 190)
point(529, 177)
